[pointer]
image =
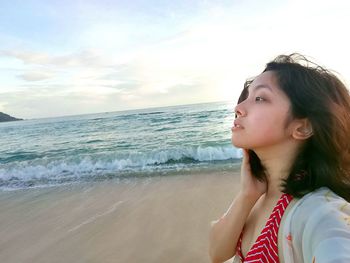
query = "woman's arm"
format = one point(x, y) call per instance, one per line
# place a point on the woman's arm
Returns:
point(319, 229)
point(225, 232)
point(327, 230)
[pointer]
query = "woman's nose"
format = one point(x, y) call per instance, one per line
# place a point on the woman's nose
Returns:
point(239, 111)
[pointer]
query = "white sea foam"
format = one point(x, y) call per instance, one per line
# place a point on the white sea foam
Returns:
point(71, 149)
point(55, 171)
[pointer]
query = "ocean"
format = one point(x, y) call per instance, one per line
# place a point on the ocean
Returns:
point(116, 145)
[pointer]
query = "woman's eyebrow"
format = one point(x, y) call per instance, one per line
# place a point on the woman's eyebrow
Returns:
point(261, 86)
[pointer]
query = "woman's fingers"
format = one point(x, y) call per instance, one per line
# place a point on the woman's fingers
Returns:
point(251, 185)
point(245, 161)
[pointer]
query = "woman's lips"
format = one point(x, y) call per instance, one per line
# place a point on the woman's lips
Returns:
point(236, 126)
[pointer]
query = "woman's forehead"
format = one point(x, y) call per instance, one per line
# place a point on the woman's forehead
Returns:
point(266, 80)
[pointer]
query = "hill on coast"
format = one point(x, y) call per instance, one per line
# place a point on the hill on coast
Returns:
point(5, 117)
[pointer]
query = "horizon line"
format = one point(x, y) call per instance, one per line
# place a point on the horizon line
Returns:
point(132, 109)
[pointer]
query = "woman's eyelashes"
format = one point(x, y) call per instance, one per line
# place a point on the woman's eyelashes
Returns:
point(259, 98)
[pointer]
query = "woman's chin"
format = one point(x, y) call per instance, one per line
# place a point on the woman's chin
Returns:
point(236, 144)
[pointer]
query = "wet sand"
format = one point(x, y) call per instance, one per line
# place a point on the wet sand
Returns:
point(158, 219)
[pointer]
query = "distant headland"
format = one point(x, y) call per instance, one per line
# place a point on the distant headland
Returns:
point(5, 117)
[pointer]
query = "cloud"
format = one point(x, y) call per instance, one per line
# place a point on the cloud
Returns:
point(83, 58)
point(35, 76)
point(3, 106)
point(138, 56)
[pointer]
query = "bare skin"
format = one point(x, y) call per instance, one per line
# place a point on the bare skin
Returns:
point(250, 209)
point(226, 231)
point(266, 109)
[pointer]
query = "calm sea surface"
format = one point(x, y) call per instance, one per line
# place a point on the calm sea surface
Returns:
point(114, 145)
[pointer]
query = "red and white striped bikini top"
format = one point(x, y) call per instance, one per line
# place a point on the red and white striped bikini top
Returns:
point(265, 248)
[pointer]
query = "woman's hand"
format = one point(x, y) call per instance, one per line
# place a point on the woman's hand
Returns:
point(226, 231)
point(252, 187)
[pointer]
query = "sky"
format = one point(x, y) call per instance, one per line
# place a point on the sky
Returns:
point(64, 57)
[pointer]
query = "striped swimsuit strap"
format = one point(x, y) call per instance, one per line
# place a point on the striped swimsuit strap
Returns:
point(265, 248)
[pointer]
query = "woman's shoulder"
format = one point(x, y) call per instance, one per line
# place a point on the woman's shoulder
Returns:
point(321, 208)
point(321, 202)
point(318, 226)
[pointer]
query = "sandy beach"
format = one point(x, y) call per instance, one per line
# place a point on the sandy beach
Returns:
point(157, 219)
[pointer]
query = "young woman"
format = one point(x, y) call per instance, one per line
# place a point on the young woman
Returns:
point(293, 124)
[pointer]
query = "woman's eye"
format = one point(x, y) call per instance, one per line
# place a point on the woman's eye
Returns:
point(259, 98)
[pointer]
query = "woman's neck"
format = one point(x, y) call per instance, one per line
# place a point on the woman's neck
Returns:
point(277, 163)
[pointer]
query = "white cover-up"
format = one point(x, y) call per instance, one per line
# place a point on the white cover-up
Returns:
point(316, 229)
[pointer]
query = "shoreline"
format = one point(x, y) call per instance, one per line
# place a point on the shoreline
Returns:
point(155, 219)
point(218, 166)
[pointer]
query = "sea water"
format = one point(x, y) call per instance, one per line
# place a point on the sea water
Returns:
point(114, 145)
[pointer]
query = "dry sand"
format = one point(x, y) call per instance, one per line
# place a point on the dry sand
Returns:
point(159, 219)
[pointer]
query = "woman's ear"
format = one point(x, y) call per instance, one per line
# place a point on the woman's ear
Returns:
point(302, 129)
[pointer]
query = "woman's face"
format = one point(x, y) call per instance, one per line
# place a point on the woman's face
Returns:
point(263, 117)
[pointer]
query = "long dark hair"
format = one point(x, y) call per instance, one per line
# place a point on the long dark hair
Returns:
point(319, 95)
